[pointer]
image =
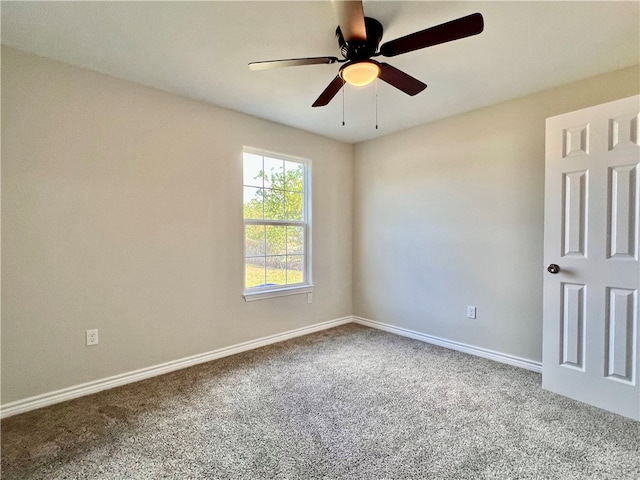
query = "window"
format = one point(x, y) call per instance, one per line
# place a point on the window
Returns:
point(276, 225)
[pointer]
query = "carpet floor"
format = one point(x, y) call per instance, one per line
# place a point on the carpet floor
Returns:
point(345, 403)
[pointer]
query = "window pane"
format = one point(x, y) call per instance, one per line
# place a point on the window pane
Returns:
point(295, 268)
point(294, 203)
point(273, 173)
point(276, 240)
point(254, 272)
point(253, 202)
point(276, 270)
point(295, 240)
point(252, 169)
point(274, 194)
point(294, 175)
point(273, 204)
point(254, 240)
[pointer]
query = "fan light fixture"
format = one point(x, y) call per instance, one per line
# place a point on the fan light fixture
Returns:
point(360, 74)
point(359, 41)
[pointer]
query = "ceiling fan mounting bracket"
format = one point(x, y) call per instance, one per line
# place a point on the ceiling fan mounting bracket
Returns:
point(361, 50)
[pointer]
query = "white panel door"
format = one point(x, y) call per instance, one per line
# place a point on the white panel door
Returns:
point(590, 340)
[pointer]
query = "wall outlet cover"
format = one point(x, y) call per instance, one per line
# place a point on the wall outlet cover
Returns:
point(92, 337)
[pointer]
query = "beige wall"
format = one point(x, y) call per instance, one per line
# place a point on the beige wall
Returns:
point(450, 214)
point(122, 211)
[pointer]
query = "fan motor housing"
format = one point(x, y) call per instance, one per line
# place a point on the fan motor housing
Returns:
point(359, 50)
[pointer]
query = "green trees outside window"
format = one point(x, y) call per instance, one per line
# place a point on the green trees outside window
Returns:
point(275, 223)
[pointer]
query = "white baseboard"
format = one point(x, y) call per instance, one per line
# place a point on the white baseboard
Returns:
point(46, 399)
point(460, 347)
point(51, 398)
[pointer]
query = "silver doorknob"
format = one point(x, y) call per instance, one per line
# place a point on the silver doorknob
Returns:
point(553, 268)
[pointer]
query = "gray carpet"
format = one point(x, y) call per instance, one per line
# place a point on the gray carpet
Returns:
point(350, 402)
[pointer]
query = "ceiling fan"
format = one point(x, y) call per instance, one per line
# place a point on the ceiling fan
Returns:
point(359, 36)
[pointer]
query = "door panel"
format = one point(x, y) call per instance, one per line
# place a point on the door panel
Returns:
point(620, 330)
point(574, 207)
point(622, 238)
point(590, 339)
point(572, 335)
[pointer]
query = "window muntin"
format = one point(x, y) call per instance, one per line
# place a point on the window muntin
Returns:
point(276, 222)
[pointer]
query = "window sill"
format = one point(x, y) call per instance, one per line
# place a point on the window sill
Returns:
point(278, 292)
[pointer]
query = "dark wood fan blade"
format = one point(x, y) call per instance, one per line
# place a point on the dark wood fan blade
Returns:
point(291, 62)
point(446, 32)
point(329, 92)
point(350, 17)
point(400, 80)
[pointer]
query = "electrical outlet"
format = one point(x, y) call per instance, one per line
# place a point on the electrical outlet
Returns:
point(471, 312)
point(92, 337)
point(309, 297)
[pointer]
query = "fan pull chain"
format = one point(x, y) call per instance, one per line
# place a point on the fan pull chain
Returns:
point(343, 89)
point(376, 103)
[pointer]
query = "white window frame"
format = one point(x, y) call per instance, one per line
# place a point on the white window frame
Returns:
point(260, 293)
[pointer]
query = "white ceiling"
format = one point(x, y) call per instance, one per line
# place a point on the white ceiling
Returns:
point(201, 50)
